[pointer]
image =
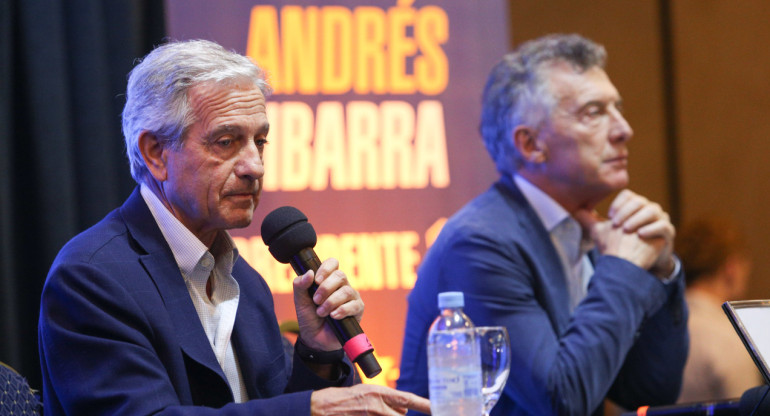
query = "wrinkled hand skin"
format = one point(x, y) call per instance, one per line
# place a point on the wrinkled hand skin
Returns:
point(334, 297)
point(365, 399)
point(637, 230)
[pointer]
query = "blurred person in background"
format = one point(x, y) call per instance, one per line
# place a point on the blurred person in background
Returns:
point(716, 260)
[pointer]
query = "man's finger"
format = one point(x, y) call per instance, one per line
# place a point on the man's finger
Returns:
point(420, 404)
point(303, 282)
point(401, 399)
point(628, 210)
point(326, 269)
point(657, 229)
point(623, 197)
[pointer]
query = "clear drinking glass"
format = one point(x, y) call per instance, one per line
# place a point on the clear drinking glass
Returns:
point(495, 349)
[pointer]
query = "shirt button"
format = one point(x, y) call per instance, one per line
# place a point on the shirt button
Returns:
point(206, 262)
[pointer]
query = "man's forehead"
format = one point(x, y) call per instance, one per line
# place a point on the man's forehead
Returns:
point(218, 109)
point(223, 88)
point(209, 99)
point(566, 82)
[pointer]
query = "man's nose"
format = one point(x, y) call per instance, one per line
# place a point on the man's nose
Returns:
point(620, 131)
point(249, 164)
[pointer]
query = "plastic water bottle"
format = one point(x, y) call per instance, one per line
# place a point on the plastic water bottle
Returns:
point(454, 363)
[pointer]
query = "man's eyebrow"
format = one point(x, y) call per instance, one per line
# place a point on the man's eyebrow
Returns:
point(618, 103)
point(264, 129)
point(223, 129)
point(592, 103)
point(235, 129)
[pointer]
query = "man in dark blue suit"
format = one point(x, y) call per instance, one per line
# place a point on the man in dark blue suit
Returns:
point(152, 311)
point(594, 307)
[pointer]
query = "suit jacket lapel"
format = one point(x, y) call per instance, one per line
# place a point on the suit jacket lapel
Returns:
point(256, 336)
point(552, 293)
point(242, 342)
point(163, 270)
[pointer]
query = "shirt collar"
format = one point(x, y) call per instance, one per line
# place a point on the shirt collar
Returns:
point(547, 209)
point(186, 247)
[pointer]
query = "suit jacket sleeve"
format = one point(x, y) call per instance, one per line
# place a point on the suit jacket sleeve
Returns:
point(652, 371)
point(571, 372)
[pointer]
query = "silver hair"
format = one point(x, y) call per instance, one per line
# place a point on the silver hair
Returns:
point(517, 91)
point(158, 87)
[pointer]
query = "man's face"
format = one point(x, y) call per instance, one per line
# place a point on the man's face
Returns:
point(585, 136)
point(215, 178)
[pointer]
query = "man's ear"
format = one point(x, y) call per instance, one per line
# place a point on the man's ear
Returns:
point(530, 148)
point(154, 155)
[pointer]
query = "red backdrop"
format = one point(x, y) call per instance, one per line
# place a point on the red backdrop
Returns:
point(373, 131)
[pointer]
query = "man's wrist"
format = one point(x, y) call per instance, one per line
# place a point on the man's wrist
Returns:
point(668, 273)
point(312, 355)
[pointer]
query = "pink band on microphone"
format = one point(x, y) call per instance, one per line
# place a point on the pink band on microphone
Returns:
point(357, 345)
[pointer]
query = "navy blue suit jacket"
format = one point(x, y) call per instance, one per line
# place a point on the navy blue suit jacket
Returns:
point(119, 334)
point(627, 339)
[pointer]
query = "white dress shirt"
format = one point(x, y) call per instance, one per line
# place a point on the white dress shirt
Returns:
point(566, 235)
point(198, 265)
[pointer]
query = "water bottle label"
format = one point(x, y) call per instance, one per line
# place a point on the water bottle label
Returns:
point(451, 385)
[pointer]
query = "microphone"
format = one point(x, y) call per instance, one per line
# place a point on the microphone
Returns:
point(290, 239)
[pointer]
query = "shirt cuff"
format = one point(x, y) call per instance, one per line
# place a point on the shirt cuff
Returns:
point(674, 274)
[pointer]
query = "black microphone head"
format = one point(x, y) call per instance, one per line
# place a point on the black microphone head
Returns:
point(286, 232)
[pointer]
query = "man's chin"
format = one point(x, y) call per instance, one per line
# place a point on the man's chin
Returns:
point(609, 187)
point(241, 224)
point(239, 220)
point(618, 181)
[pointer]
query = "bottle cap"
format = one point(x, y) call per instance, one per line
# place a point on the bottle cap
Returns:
point(451, 300)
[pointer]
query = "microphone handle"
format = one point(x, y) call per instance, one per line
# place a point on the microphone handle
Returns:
point(347, 330)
